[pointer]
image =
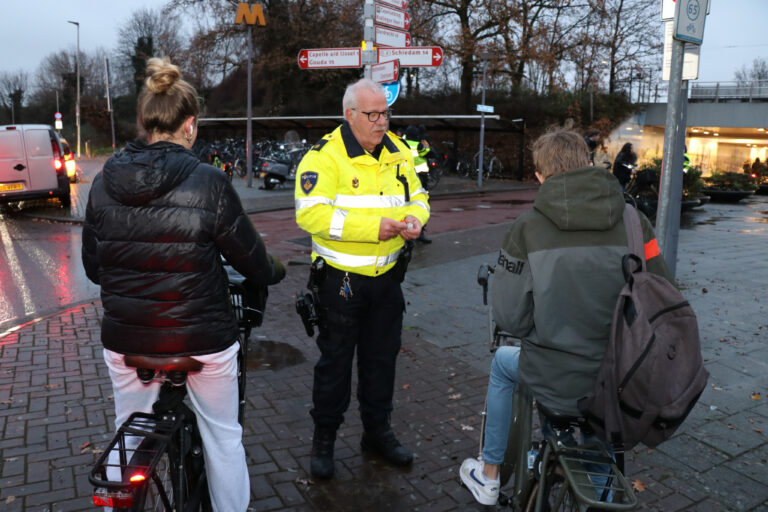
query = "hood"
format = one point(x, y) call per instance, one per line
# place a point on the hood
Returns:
point(583, 199)
point(144, 172)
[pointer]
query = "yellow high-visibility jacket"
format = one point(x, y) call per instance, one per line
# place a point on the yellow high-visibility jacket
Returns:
point(342, 192)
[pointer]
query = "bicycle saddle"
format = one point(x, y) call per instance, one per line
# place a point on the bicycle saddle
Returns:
point(561, 421)
point(165, 363)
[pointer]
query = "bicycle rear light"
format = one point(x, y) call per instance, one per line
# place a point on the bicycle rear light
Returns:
point(114, 499)
point(138, 477)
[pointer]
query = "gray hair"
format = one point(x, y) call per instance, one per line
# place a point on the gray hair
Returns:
point(350, 95)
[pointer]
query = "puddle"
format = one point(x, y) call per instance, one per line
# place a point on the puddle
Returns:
point(272, 355)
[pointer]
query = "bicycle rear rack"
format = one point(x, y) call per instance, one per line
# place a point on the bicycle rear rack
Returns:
point(139, 444)
point(585, 482)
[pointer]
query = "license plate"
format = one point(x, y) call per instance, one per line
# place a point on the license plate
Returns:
point(5, 187)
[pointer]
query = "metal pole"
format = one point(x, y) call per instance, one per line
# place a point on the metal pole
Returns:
point(109, 105)
point(482, 132)
point(249, 128)
point(668, 214)
point(77, 105)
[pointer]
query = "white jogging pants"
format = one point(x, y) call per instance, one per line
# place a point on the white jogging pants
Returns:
point(214, 396)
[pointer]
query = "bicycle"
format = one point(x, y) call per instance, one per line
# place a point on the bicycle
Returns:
point(555, 472)
point(160, 464)
point(492, 166)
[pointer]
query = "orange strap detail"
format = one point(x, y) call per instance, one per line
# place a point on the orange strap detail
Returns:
point(651, 249)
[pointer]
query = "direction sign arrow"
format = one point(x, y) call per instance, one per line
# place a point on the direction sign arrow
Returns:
point(323, 58)
point(390, 37)
point(414, 56)
point(386, 71)
point(391, 17)
point(397, 4)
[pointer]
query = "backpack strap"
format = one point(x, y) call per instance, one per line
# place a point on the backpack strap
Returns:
point(634, 233)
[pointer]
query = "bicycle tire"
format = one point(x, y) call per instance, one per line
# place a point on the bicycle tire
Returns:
point(558, 496)
point(157, 491)
point(496, 169)
point(464, 169)
point(433, 177)
point(153, 495)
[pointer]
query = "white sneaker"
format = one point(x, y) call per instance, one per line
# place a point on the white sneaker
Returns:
point(485, 490)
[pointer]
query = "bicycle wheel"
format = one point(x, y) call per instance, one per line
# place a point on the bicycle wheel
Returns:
point(465, 169)
point(158, 494)
point(157, 491)
point(496, 169)
point(433, 177)
point(557, 495)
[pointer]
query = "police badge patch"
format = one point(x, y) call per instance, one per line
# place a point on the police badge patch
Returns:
point(308, 181)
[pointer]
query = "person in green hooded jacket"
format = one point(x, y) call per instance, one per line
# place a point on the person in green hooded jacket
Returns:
point(556, 282)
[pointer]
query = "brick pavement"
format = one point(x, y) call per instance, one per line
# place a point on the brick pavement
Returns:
point(56, 411)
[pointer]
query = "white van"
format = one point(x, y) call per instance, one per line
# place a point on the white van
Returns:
point(32, 164)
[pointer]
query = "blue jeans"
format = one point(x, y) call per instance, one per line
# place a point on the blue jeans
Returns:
point(501, 386)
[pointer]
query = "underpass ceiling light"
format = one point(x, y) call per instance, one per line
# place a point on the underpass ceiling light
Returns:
point(706, 133)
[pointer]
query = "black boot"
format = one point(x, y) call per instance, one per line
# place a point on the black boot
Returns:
point(384, 443)
point(321, 462)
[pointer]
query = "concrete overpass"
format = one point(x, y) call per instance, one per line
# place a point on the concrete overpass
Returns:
point(727, 125)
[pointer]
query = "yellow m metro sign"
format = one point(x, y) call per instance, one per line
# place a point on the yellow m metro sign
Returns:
point(251, 14)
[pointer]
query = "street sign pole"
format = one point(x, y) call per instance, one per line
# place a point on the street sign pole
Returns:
point(369, 36)
point(251, 14)
point(689, 26)
point(249, 127)
point(482, 132)
point(109, 106)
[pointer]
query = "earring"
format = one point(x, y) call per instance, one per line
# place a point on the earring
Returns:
point(189, 137)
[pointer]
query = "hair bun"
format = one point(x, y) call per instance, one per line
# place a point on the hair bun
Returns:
point(161, 75)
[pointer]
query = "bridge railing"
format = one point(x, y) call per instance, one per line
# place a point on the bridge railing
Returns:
point(729, 91)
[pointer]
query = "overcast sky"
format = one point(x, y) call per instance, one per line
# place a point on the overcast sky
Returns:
point(736, 31)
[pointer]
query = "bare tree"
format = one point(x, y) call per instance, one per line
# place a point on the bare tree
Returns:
point(147, 33)
point(13, 87)
point(629, 34)
point(758, 71)
point(463, 28)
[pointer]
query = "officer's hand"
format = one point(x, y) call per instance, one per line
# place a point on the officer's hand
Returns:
point(390, 228)
point(414, 231)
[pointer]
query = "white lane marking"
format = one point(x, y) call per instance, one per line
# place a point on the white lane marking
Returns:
point(16, 273)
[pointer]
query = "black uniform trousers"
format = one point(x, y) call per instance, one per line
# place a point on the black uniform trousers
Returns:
point(368, 320)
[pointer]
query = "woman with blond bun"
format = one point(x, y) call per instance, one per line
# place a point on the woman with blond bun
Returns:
point(156, 226)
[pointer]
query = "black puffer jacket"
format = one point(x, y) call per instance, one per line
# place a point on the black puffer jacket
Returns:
point(156, 224)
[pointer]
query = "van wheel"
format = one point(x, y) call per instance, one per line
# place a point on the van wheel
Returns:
point(66, 201)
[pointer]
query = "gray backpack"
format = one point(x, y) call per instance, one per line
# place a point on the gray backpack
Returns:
point(652, 373)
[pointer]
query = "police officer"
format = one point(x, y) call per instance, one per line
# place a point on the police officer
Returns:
point(416, 141)
point(358, 195)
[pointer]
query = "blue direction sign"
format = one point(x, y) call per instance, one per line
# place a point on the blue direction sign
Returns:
point(392, 91)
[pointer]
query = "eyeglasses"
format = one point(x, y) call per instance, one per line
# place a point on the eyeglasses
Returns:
point(374, 116)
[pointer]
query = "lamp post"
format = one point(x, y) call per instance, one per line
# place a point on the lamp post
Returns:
point(77, 105)
point(485, 56)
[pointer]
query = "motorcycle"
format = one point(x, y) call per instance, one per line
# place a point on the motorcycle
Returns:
point(279, 166)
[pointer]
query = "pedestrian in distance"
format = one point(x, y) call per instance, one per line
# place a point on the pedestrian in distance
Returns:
point(624, 164)
point(415, 139)
point(592, 138)
point(358, 195)
point(156, 225)
point(553, 252)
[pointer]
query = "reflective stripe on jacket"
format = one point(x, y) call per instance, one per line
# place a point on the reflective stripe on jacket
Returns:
point(342, 192)
point(419, 155)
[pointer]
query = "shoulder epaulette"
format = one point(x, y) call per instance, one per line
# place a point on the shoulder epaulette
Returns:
point(319, 144)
